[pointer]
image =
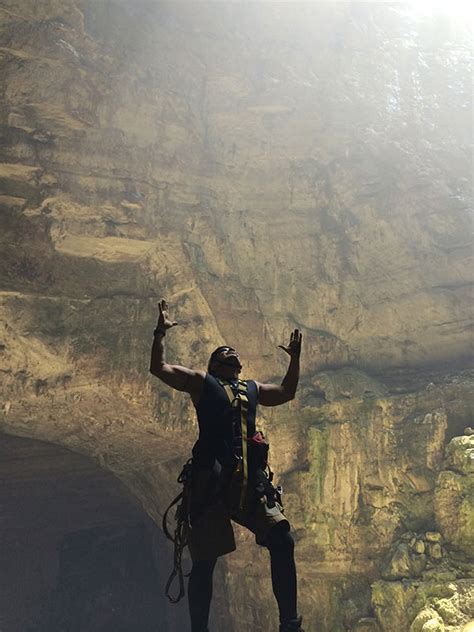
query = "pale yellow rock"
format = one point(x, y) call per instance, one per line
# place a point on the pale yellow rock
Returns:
point(104, 249)
point(435, 551)
point(11, 201)
point(409, 604)
point(19, 172)
point(454, 495)
point(460, 454)
point(433, 625)
point(449, 609)
point(433, 536)
point(427, 617)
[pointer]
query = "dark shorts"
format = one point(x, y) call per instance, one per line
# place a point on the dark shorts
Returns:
point(211, 534)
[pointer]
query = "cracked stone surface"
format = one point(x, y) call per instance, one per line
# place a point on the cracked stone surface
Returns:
point(304, 167)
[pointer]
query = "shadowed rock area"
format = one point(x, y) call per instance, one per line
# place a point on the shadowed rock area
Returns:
point(264, 167)
point(77, 552)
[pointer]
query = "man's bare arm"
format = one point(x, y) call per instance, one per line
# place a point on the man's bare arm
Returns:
point(178, 377)
point(274, 394)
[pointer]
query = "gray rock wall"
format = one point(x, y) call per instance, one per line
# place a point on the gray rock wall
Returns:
point(263, 167)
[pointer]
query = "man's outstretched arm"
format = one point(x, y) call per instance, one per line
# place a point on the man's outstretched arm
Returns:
point(178, 377)
point(274, 394)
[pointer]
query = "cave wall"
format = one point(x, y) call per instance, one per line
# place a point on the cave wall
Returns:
point(263, 169)
point(75, 546)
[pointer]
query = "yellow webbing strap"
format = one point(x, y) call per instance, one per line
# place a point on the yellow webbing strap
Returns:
point(244, 408)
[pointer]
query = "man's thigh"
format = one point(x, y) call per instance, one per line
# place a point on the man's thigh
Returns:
point(211, 534)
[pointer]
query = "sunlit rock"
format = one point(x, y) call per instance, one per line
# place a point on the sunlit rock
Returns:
point(264, 168)
point(427, 620)
point(454, 495)
point(410, 605)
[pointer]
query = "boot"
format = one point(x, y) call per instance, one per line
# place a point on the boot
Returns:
point(294, 625)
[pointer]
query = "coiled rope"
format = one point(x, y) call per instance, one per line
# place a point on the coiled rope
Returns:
point(180, 535)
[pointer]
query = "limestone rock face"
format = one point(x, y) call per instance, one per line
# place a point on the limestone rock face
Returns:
point(454, 495)
point(263, 169)
point(443, 594)
point(404, 606)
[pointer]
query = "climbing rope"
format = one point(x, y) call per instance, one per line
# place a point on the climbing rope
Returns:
point(180, 535)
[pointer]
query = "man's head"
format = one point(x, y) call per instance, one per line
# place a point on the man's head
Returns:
point(224, 362)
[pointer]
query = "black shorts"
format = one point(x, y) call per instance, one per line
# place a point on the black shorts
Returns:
point(211, 534)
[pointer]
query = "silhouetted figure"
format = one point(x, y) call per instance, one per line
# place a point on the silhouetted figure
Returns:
point(230, 475)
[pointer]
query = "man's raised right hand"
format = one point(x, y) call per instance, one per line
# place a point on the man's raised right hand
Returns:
point(164, 322)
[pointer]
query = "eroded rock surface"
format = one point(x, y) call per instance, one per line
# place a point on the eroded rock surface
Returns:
point(455, 495)
point(263, 169)
point(437, 587)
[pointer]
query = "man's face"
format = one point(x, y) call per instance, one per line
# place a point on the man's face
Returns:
point(228, 356)
point(225, 363)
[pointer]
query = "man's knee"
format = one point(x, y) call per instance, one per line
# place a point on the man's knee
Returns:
point(280, 539)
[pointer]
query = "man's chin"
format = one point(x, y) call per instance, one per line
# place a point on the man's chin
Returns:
point(232, 363)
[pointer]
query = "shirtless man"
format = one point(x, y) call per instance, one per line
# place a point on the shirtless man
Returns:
point(230, 479)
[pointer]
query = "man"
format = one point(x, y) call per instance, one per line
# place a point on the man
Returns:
point(229, 479)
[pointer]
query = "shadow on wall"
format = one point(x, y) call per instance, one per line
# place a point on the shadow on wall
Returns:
point(77, 552)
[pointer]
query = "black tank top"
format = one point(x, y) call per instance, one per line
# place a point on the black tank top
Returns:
point(219, 424)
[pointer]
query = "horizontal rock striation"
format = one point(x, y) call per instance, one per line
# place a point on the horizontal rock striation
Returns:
point(263, 169)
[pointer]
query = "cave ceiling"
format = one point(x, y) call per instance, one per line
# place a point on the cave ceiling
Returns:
point(306, 166)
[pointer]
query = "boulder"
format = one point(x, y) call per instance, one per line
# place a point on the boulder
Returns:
point(427, 616)
point(454, 496)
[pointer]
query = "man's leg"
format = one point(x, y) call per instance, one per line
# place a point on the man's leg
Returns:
point(200, 593)
point(281, 546)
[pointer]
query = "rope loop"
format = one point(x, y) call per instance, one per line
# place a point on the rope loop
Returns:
point(180, 534)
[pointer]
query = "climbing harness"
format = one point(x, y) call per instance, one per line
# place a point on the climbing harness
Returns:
point(255, 448)
point(239, 398)
point(180, 536)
